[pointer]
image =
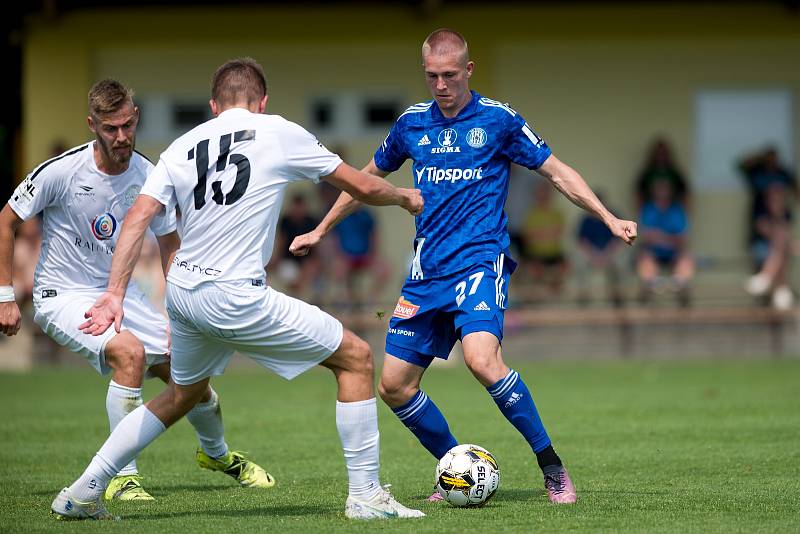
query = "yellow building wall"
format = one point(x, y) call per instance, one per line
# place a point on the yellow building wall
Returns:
point(597, 82)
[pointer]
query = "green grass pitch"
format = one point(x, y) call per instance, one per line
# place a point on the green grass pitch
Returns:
point(651, 446)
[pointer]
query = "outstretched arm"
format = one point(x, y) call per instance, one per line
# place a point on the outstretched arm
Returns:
point(574, 187)
point(107, 310)
point(353, 184)
point(10, 318)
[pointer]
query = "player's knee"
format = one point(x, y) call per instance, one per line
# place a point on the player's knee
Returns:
point(361, 358)
point(395, 393)
point(486, 370)
point(127, 359)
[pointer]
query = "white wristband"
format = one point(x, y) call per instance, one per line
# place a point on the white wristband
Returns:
point(7, 294)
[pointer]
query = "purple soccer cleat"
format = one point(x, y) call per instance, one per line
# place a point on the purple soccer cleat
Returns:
point(436, 497)
point(559, 486)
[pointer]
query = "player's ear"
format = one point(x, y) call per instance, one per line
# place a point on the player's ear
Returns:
point(263, 104)
point(90, 122)
point(214, 108)
point(470, 68)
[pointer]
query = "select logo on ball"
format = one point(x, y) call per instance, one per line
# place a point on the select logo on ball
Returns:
point(104, 226)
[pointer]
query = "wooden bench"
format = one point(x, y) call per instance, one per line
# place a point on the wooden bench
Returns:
point(627, 318)
point(624, 320)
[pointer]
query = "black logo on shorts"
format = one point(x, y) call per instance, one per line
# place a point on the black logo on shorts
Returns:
point(47, 293)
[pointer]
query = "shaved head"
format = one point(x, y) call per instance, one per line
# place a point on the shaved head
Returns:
point(445, 42)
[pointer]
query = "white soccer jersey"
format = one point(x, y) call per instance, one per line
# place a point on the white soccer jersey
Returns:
point(83, 211)
point(228, 177)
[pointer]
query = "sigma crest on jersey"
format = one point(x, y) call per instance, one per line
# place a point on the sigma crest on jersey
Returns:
point(448, 140)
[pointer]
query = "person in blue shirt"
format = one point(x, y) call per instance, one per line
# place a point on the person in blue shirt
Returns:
point(665, 244)
point(462, 145)
point(359, 253)
point(598, 249)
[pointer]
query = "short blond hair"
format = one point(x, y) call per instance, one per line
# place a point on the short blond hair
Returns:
point(108, 96)
point(445, 41)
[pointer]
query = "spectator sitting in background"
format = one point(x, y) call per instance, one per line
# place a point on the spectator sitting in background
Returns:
point(299, 273)
point(543, 233)
point(598, 249)
point(665, 245)
point(660, 166)
point(359, 253)
point(520, 186)
point(760, 171)
point(27, 243)
point(771, 248)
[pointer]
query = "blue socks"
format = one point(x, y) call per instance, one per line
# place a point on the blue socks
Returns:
point(511, 395)
point(425, 421)
point(515, 401)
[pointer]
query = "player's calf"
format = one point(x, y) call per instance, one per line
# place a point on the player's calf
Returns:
point(176, 400)
point(400, 390)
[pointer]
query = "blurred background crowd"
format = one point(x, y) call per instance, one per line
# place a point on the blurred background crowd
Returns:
point(682, 116)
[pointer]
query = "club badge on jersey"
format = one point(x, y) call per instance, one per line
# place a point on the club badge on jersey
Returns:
point(104, 226)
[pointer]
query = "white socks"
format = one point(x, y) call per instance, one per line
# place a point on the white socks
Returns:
point(206, 418)
point(357, 423)
point(131, 435)
point(120, 401)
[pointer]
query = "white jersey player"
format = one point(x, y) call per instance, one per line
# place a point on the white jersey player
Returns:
point(228, 177)
point(83, 196)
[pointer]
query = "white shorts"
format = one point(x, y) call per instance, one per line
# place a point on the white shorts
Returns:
point(59, 317)
point(208, 323)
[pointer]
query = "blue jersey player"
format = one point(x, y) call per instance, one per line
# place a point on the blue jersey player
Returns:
point(462, 145)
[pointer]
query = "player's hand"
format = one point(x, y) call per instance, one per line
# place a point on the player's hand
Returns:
point(302, 244)
point(10, 318)
point(412, 201)
point(107, 310)
point(625, 230)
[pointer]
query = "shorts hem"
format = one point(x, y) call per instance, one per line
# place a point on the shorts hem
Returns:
point(492, 326)
point(410, 355)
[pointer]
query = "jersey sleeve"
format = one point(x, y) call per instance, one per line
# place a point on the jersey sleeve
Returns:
point(159, 186)
point(522, 146)
point(165, 222)
point(306, 157)
point(392, 152)
point(40, 189)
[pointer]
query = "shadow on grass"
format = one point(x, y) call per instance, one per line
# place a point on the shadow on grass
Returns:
point(163, 491)
point(515, 494)
point(622, 492)
point(271, 511)
point(502, 495)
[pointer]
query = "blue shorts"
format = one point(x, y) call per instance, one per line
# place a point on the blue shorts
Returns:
point(432, 314)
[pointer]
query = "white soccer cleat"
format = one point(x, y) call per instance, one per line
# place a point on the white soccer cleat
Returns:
point(382, 506)
point(65, 507)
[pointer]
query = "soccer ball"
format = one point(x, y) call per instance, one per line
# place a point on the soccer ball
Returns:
point(467, 475)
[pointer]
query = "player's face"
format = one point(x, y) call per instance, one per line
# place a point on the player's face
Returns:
point(116, 132)
point(447, 76)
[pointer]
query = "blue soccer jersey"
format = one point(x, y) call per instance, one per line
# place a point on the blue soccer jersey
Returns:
point(461, 166)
